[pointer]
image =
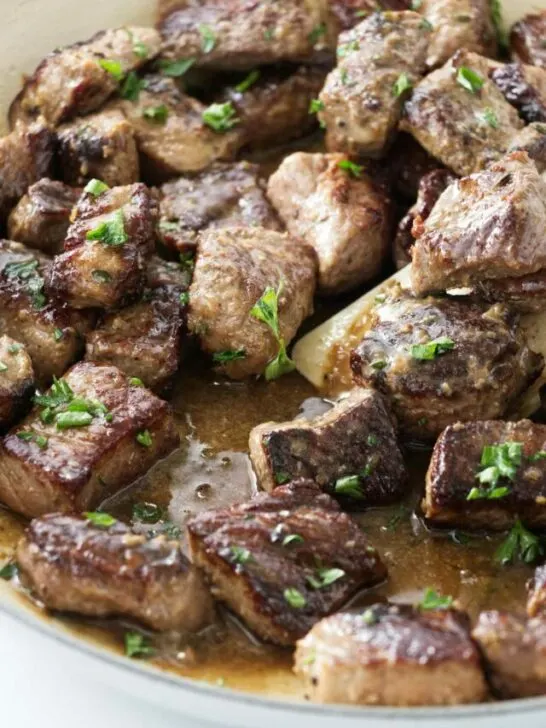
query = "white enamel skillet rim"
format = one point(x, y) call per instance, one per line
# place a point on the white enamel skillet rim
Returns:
point(29, 30)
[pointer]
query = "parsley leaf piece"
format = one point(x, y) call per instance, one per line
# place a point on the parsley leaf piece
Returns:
point(269, 34)
point(147, 512)
point(58, 334)
point(99, 519)
point(280, 365)
point(433, 600)
point(469, 79)
point(9, 570)
point(223, 357)
point(497, 461)
point(520, 544)
point(354, 170)
point(220, 117)
point(144, 438)
point(249, 81)
point(349, 486)
point(16, 348)
point(131, 87)
point(498, 22)
point(292, 538)
point(344, 50)
point(101, 276)
point(96, 187)
point(114, 68)
point(294, 598)
point(325, 577)
point(3, 367)
point(435, 348)
point(184, 298)
point(68, 420)
point(403, 83)
point(318, 32)
point(136, 645)
point(266, 310)
point(208, 39)
point(157, 114)
point(111, 232)
point(489, 117)
point(136, 382)
point(315, 106)
point(239, 555)
point(176, 69)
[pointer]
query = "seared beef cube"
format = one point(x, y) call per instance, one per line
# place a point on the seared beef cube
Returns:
point(361, 102)
point(515, 653)
point(16, 381)
point(488, 226)
point(431, 187)
point(49, 329)
point(527, 39)
point(101, 146)
point(25, 157)
point(42, 217)
point(525, 293)
point(459, 115)
point(391, 655)
point(536, 600)
point(283, 561)
point(443, 360)
point(351, 451)
point(275, 109)
point(143, 340)
point(532, 139)
point(459, 24)
point(408, 162)
point(162, 272)
point(78, 79)
point(106, 248)
point(235, 269)
point(91, 434)
point(525, 88)
point(171, 132)
point(224, 195)
point(335, 206)
point(73, 565)
point(465, 486)
point(237, 34)
point(348, 13)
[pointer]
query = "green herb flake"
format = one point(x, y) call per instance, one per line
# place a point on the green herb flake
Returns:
point(208, 39)
point(266, 310)
point(432, 350)
point(144, 438)
point(489, 117)
point(433, 600)
point(58, 334)
point(469, 79)
point(369, 617)
point(520, 544)
point(315, 106)
point(111, 232)
point(350, 486)
point(96, 187)
point(14, 349)
point(378, 364)
point(187, 261)
point(401, 85)
point(249, 81)
point(31, 436)
point(354, 170)
point(136, 645)
point(101, 276)
point(372, 439)
point(346, 48)
point(497, 461)
point(294, 598)
point(136, 382)
point(498, 22)
point(27, 271)
point(70, 420)
point(141, 50)
point(282, 478)
point(224, 357)
point(131, 87)
point(220, 117)
point(8, 571)
point(114, 68)
point(156, 114)
point(318, 32)
point(426, 25)
point(325, 577)
point(3, 367)
point(184, 298)
point(100, 519)
point(147, 512)
point(176, 69)
point(540, 455)
point(239, 555)
point(269, 34)
point(292, 538)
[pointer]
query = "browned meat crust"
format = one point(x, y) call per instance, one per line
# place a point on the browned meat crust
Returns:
point(108, 272)
point(16, 381)
point(224, 195)
point(392, 655)
point(280, 586)
point(42, 217)
point(525, 88)
point(344, 215)
point(527, 39)
point(536, 600)
point(407, 163)
point(234, 269)
point(72, 565)
point(515, 653)
point(356, 436)
point(484, 368)
point(457, 461)
point(73, 469)
point(532, 139)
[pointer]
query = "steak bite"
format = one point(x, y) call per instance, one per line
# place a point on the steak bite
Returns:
point(171, 130)
point(378, 60)
point(527, 39)
point(285, 560)
point(532, 139)
point(350, 452)
point(334, 205)
point(237, 272)
point(78, 79)
point(460, 116)
point(536, 599)
point(100, 146)
point(486, 227)
point(502, 476)
point(236, 34)
point(515, 653)
point(50, 330)
point(224, 195)
point(524, 87)
point(107, 247)
point(431, 187)
point(42, 217)
point(91, 434)
point(444, 360)
point(16, 381)
point(25, 157)
point(73, 565)
point(391, 655)
point(459, 24)
point(407, 163)
point(275, 108)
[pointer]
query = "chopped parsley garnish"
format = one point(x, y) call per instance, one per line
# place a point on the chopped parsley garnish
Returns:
point(249, 81)
point(266, 310)
point(96, 187)
point(176, 69)
point(14, 348)
point(111, 232)
point(426, 25)
point(269, 33)
point(131, 87)
point(315, 106)
point(114, 68)
point(147, 512)
point(184, 298)
point(239, 555)
point(403, 83)
point(282, 478)
point(345, 49)
point(372, 439)
point(497, 461)
point(27, 271)
point(325, 577)
point(498, 22)
point(369, 617)
point(68, 420)
point(489, 117)
point(30, 436)
point(208, 39)
point(58, 334)
point(292, 538)
point(378, 364)
point(318, 32)
point(136, 645)
point(344, 76)
point(349, 486)
point(520, 544)
point(435, 348)
point(136, 382)
point(144, 438)
point(354, 170)
point(224, 357)
point(99, 519)
point(469, 79)
point(9, 570)
point(140, 49)
point(220, 117)
point(3, 367)
point(294, 598)
point(60, 405)
point(101, 276)
point(157, 114)
point(187, 261)
point(433, 600)
point(540, 455)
